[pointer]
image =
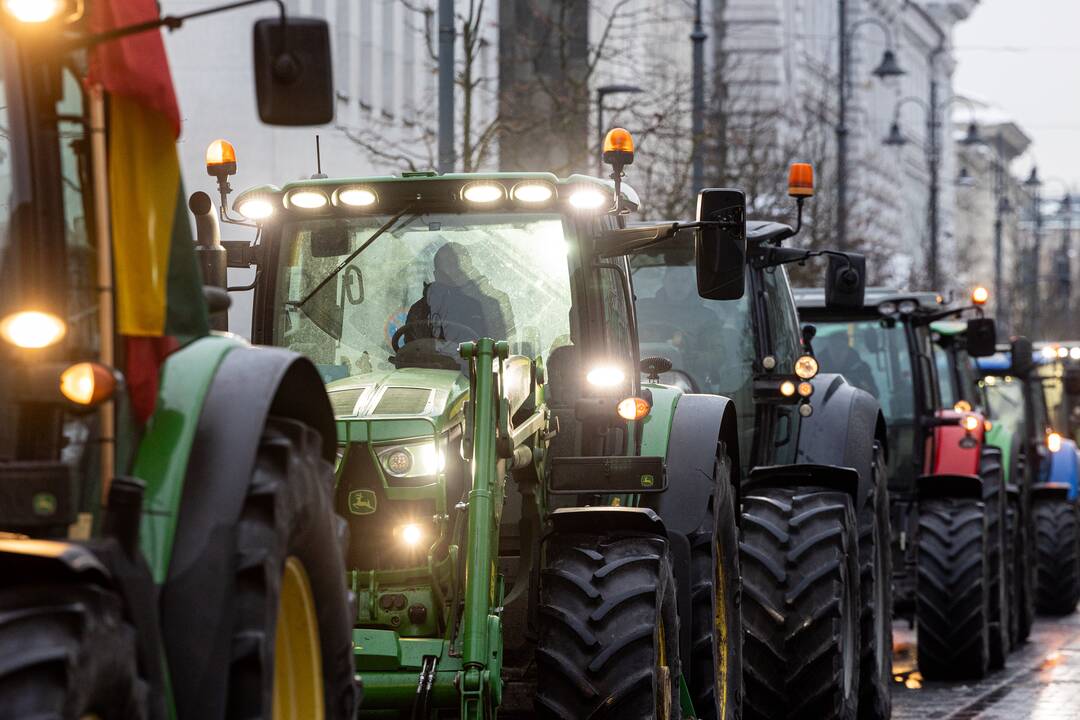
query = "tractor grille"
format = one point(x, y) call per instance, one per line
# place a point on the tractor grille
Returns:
point(403, 401)
point(344, 401)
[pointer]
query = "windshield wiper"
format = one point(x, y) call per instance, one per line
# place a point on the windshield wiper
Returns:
point(352, 256)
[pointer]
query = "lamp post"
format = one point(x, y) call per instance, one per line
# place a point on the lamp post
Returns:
point(446, 86)
point(1034, 184)
point(602, 92)
point(698, 37)
point(887, 68)
point(896, 138)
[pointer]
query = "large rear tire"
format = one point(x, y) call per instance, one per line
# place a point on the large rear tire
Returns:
point(1013, 570)
point(716, 615)
point(952, 602)
point(1057, 587)
point(799, 554)
point(875, 584)
point(993, 478)
point(66, 651)
point(292, 649)
point(608, 645)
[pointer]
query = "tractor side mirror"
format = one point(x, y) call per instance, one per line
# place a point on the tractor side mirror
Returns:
point(720, 246)
point(293, 80)
point(330, 241)
point(981, 337)
point(845, 281)
point(1022, 352)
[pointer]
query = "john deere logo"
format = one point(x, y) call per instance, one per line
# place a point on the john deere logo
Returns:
point(44, 504)
point(362, 502)
point(647, 481)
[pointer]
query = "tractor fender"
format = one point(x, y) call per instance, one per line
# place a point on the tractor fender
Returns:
point(842, 429)
point(1050, 491)
point(929, 487)
point(698, 423)
point(828, 477)
point(1064, 467)
point(250, 385)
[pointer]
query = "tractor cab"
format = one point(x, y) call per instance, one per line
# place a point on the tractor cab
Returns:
point(477, 338)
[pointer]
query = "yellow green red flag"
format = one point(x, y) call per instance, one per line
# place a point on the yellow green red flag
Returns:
point(158, 290)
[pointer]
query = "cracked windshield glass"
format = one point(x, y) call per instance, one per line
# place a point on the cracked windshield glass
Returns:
point(358, 302)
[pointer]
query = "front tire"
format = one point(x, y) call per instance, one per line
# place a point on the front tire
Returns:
point(292, 649)
point(716, 615)
point(875, 584)
point(799, 554)
point(993, 478)
point(1057, 587)
point(608, 645)
point(952, 604)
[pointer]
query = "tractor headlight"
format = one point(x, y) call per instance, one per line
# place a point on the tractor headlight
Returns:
point(605, 376)
point(356, 197)
point(970, 423)
point(412, 460)
point(588, 199)
point(307, 199)
point(35, 12)
point(410, 534)
point(255, 208)
point(1053, 442)
point(483, 193)
point(806, 367)
point(31, 329)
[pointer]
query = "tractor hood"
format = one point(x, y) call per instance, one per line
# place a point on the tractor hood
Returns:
point(405, 392)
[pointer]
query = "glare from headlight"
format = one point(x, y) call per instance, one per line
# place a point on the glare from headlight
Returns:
point(307, 199)
point(32, 330)
point(1063, 352)
point(1048, 352)
point(970, 422)
point(356, 197)
point(483, 193)
point(256, 208)
point(1053, 442)
point(588, 199)
point(411, 534)
point(34, 11)
point(1074, 353)
point(605, 376)
point(787, 388)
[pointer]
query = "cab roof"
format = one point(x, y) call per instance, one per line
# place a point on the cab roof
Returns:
point(875, 296)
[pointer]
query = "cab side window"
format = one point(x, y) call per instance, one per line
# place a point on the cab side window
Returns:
point(619, 340)
point(783, 318)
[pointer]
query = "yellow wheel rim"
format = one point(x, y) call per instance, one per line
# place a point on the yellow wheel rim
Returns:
point(722, 639)
point(663, 675)
point(298, 680)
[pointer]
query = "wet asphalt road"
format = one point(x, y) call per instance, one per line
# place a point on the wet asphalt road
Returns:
point(1040, 682)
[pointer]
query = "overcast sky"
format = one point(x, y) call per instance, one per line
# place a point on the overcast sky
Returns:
point(1023, 55)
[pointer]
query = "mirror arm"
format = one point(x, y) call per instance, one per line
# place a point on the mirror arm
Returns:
point(942, 314)
point(172, 22)
point(623, 241)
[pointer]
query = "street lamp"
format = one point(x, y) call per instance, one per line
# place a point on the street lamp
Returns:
point(887, 68)
point(896, 138)
point(602, 92)
point(697, 124)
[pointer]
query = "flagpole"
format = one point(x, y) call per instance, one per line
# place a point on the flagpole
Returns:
point(99, 161)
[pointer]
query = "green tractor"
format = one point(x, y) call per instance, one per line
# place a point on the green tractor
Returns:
point(186, 564)
point(533, 530)
point(813, 449)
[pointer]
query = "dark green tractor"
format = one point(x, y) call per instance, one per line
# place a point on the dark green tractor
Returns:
point(533, 529)
point(818, 634)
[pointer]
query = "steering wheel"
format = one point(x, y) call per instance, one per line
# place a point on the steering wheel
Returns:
point(429, 325)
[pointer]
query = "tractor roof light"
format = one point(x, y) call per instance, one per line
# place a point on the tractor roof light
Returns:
point(801, 180)
point(353, 196)
point(87, 383)
point(533, 193)
point(1049, 352)
point(806, 367)
point(907, 307)
point(588, 199)
point(483, 193)
point(307, 199)
point(633, 408)
point(255, 207)
point(980, 295)
point(220, 159)
point(1074, 353)
point(32, 330)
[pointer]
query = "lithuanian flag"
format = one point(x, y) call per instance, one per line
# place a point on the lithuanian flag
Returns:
point(157, 285)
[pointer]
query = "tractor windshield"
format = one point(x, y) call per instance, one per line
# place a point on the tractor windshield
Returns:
point(1005, 396)
point(356, 302)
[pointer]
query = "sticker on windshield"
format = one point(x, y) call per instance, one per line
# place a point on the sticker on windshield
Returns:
point(362, 502)
point(397, 319)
